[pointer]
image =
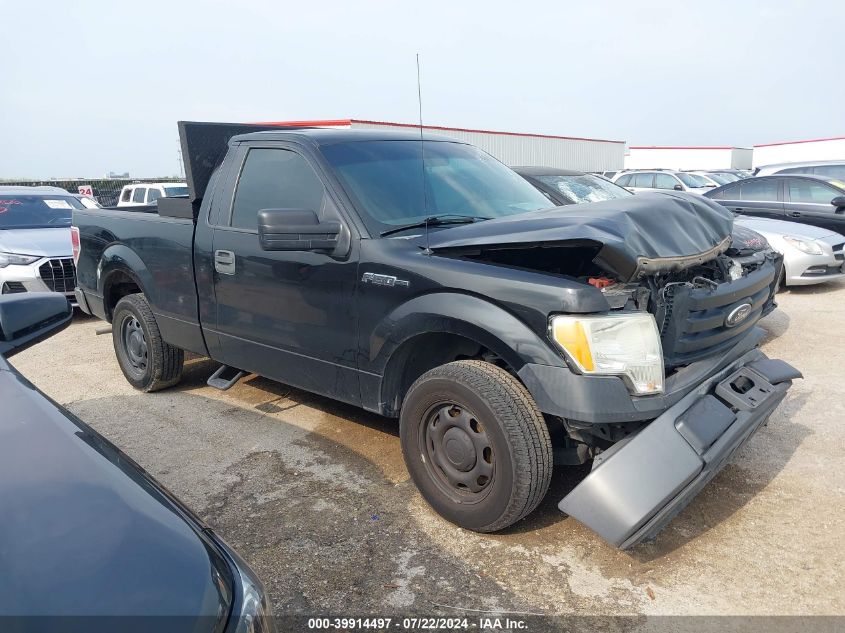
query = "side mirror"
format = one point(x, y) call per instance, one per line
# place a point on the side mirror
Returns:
point(678, 187)
point(296, 230)
point(26, 319)
point(838, 202)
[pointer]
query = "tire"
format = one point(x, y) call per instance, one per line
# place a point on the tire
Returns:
point(148, 363)
point(476, 445)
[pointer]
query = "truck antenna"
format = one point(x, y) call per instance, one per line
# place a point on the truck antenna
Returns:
point(427, 250)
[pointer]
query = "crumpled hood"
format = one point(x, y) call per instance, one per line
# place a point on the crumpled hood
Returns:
point(645, 233)
point(54, 242)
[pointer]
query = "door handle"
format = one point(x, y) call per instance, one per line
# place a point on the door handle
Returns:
point(739, 208)
point(795, 214)
point(224, 262)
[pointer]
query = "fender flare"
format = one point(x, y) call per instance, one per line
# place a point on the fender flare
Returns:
point(119, 258)
point(461, 314)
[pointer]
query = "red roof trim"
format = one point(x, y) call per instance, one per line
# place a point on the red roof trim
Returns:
point(318, 123)
point(684, 147)
point(348, 122)
point(463, 129)
point(811, 140)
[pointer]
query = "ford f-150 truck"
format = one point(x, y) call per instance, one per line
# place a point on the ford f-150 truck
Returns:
point(419, 278)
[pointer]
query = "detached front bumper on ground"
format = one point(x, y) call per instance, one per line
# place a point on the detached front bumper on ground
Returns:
point(640, 484)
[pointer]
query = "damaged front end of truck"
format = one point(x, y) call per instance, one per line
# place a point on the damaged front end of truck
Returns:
point(666, 384)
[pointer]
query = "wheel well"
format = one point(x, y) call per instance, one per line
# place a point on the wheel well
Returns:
point(421, 353)
point(118, 285)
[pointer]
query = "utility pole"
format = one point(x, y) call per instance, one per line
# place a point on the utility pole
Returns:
point(179, 158)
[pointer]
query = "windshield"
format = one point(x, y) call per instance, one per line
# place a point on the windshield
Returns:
point(586, 188)
point(727, 177)
point(692, 180)
point(36, 212)
point(175, 192)
point(718, 178)
point(385, 178)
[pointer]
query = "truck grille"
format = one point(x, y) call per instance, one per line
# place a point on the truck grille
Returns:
point(694, 321)
point(59, 275)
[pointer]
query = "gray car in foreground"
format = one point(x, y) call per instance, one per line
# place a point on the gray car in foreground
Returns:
point(89, 541)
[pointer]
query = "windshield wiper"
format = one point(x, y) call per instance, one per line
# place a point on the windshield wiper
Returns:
point(436, 220)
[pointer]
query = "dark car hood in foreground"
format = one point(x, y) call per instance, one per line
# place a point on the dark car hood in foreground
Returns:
point(643, 233)
point(84, 531)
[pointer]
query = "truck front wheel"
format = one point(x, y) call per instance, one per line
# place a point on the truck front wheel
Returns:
point(476, 445)
point(148, 363)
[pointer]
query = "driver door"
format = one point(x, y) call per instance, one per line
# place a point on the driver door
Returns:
point(287, 315)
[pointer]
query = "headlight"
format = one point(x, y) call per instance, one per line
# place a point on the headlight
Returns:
point(626, 345)
point(810, 247)
point(256, 615)
point(7, 259)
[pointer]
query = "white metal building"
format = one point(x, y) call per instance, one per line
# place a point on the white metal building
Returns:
point(512, 148)
point(794, 151)
point(653, 157)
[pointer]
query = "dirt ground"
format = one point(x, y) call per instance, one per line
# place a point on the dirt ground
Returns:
point(315, 496)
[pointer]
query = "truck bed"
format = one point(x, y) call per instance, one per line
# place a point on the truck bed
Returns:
point(156, 254)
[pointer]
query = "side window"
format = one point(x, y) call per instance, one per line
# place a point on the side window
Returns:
point(153, 194)
point(727, 193)
point(275, 179)
point(124, 197)
point(138, 194)
point(796, 170)
point(643, 180)
point(664, 181)
point(810, 191)
point(762, 189)
point(830, 171)
point(623, 181)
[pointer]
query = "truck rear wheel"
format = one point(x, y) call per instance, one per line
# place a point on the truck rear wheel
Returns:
point(476, 445)
point(148, 363)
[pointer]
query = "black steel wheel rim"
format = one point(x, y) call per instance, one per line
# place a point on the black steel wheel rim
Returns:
point(134, 344)
point(457, 451)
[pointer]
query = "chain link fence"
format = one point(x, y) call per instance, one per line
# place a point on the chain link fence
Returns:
point(105, 190)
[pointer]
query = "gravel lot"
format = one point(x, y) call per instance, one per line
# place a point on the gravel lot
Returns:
point(314, 494)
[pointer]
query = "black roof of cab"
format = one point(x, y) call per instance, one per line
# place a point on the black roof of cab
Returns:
point(331, 136)
point(204, 144)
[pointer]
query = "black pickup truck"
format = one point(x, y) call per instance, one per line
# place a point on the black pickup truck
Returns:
point(419, 278)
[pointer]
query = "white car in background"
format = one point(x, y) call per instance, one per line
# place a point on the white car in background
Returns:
point(664, 179)
point(36, 254)
point(145, 193)
point(811, 254)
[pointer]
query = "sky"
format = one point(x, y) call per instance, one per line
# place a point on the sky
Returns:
point(91, 87)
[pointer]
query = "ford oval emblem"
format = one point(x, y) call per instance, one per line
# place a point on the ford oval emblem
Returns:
point(738, 315)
